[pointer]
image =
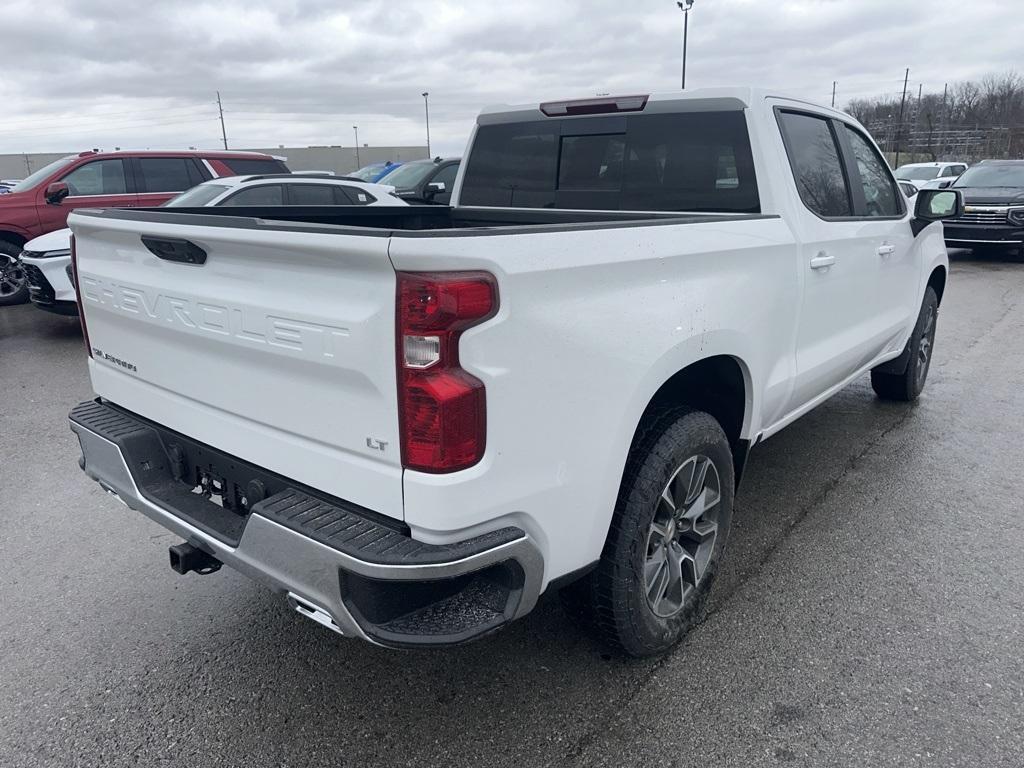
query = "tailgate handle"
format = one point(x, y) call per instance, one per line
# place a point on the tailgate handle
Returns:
point(174, 249)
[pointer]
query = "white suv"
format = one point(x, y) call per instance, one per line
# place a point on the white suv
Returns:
point(47, 258)
point(930, 175)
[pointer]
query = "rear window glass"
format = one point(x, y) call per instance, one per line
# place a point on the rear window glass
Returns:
point(310, 194)
point(242, 167)
point(196, 196)
point(264, 194)
point(165, 174)
point(698, 161)
point(591, 162)
point(353, 196)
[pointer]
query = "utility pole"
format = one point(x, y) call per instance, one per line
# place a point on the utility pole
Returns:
point(358, 164)
point(942, 116)
point(223, 131)
point(899, 128)
point(685, 8)
point(833, 93)
point(426, 109)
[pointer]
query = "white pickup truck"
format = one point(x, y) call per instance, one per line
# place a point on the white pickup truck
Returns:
point(413, 421)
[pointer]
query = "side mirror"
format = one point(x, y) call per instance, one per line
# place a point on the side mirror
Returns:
point(56, 192)
point(936, 205)
point(945, 184)
point(434, 188)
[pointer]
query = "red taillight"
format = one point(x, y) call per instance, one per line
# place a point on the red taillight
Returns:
point(443, 411)
point(78, 295)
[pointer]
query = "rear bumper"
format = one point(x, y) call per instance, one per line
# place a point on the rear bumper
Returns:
point(344, 567)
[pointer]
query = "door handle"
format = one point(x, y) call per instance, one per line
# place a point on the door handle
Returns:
point(886, 250)
point(174, 249)
point(822, 260)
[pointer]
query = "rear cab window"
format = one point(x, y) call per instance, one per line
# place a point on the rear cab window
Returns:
point(685, 161)
point(817, 168)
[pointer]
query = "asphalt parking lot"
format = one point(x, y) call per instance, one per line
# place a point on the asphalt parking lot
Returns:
point(871, 610)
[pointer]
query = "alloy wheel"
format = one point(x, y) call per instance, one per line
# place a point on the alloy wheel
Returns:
point(682, 535)
point(925, 347)
point(12, 276)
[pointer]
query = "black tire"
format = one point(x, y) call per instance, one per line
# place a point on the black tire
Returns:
point(908, 385)
point(13, 281)
point(615, 595)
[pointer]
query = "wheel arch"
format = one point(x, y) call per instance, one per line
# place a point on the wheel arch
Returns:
point(719, 385)
point(13, 237)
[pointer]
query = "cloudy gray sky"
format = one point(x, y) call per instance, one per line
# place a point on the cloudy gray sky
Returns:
point(104, 73)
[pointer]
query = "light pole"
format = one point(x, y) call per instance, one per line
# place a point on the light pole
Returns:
point(685, 7)
point(426, 110)
point(358, 164)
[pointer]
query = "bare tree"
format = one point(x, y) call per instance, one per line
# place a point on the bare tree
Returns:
point(983, 118)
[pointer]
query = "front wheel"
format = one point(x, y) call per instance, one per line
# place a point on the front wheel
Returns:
point(907, 386)
point(13, 279)
point(667, 536)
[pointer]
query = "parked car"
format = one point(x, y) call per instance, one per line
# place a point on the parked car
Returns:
point(930, 175)
point(42, 201)
point(46, 260)
point(908, 188)
point(413, 421)
point(993, 215)
point(375, 171)
point(425, 181)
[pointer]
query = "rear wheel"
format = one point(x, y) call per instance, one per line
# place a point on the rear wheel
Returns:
point(908, 385)
point(667, 535)
point(13, 279)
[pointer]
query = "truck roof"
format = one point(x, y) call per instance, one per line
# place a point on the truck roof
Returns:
point(724, 97)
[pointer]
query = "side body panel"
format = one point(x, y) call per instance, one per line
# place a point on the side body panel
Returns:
point(590, 325)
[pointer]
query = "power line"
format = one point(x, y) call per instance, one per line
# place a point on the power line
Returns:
point(91, 116)
point(105, 129)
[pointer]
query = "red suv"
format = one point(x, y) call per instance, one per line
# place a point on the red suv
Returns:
point(41, 203)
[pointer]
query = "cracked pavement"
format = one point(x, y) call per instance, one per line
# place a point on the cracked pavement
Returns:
point(870, 611)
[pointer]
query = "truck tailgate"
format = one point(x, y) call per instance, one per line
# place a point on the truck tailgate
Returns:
point(279, 349)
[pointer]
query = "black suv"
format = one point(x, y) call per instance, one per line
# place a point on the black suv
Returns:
point(424, 181)
point(993, 215)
